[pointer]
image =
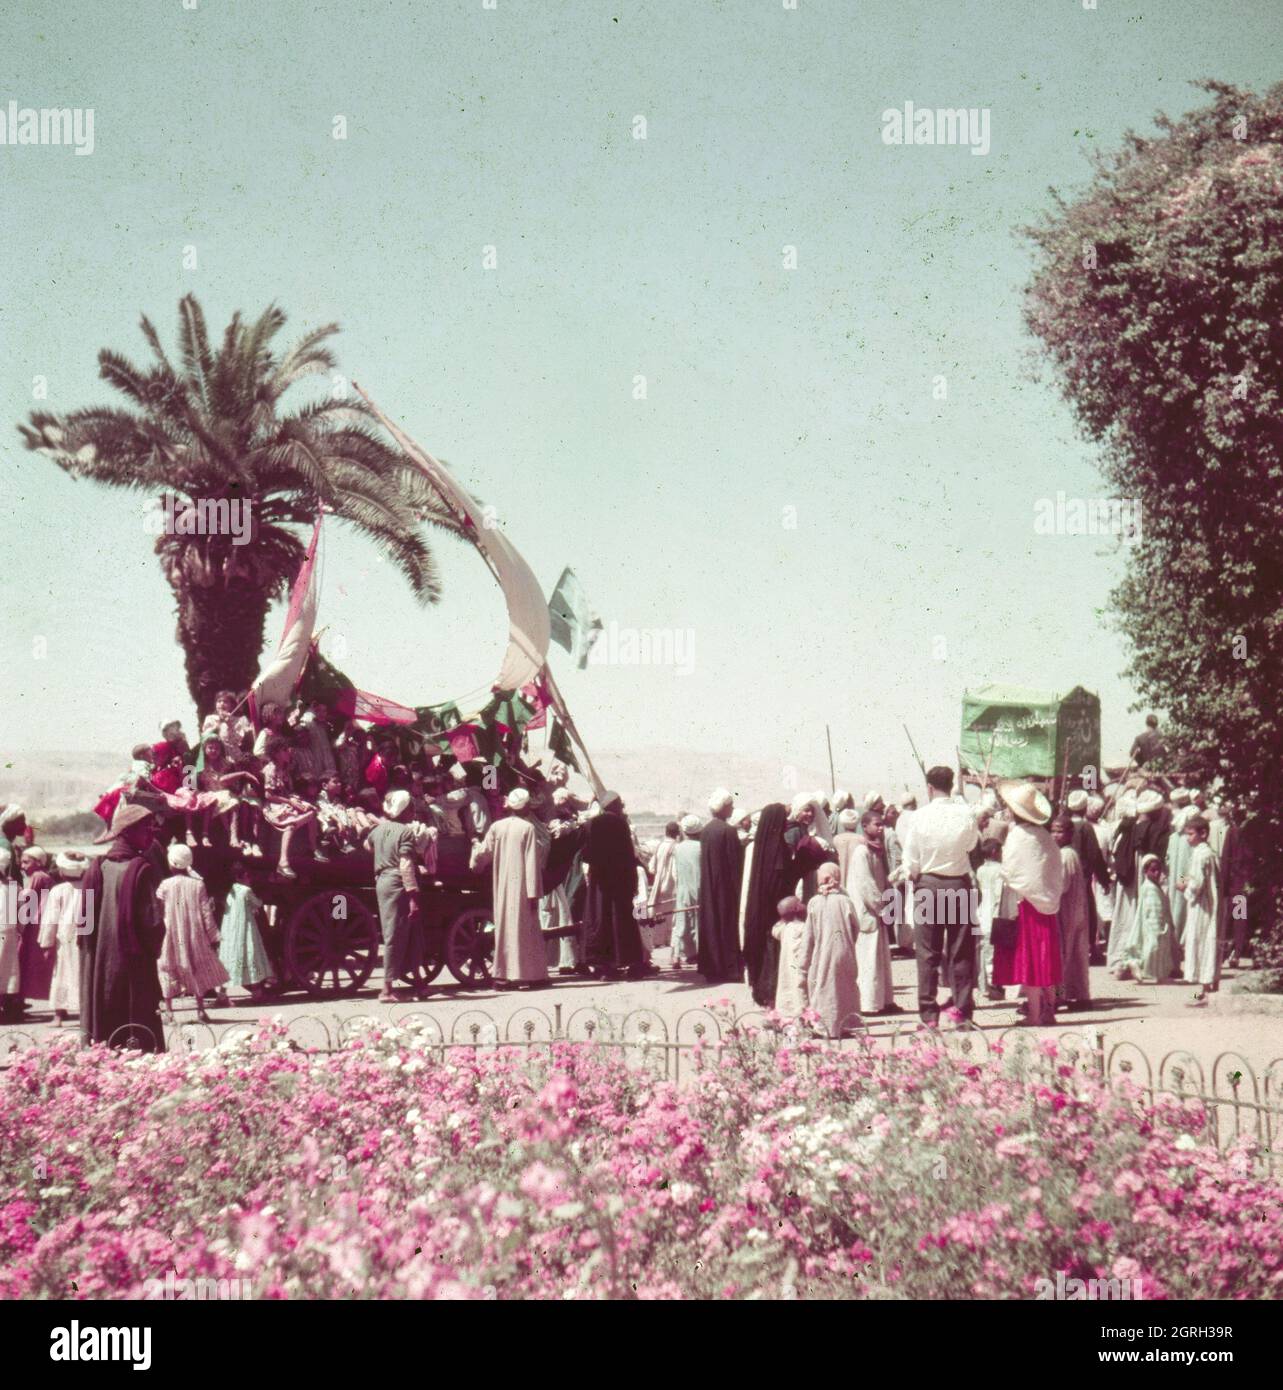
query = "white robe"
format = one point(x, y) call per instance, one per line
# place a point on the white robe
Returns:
point(1178, 855)
point(1202, 916)
point(10, 941)
point(516, 879)
point(790, 981)
point(60, 927)
point(1104, 896)
point(865, 884)
point(828, 958)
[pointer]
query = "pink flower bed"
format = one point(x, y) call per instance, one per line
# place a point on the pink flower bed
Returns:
point(388, 1170)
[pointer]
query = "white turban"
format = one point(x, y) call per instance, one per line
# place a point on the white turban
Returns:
point(561, 796)
point(848, 819)
point(799, 803)
point(720, 800)
point(395, 802)
point(180, 857)
point(71, 864)
point(841, 799)
point(908, 802)
point(11, 812)
point(517, 799)
point(1076, 800)
point(1179, 796)
point(1095, 803)
point(871, 799)
point(41, 856)
point(691, 825)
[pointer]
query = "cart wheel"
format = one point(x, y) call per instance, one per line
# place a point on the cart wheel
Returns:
point(331, 944)
point(469, 950)
point(433, 960)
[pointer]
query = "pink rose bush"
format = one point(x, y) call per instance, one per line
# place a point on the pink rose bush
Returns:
point(394, 1169)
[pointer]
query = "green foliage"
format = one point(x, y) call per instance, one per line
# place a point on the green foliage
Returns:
point(1158, 299)
point(212, 428)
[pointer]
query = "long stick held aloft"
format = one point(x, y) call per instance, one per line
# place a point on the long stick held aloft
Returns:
point(921, 765)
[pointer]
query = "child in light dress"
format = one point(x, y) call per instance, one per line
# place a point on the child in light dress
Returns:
point(189, 965)
point(790, 981)
point(241, 949)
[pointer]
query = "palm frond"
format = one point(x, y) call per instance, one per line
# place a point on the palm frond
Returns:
point(193, 342)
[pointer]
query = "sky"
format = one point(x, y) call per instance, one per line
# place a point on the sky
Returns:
point(825, 487)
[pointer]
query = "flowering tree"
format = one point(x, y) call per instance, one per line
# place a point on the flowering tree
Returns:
point(1158, 299)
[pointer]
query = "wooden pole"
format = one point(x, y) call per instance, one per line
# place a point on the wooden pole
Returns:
point(559, 704)
point(833, 781)
point(921, 765)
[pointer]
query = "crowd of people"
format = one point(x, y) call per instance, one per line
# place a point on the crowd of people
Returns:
point(806, 902)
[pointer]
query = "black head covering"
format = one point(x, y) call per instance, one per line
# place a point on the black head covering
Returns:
point(771, 876)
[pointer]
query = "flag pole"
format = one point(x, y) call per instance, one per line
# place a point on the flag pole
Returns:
point(833, 781)
point(559, 703)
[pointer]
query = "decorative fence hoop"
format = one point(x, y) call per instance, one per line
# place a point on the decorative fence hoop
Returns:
point(1238, 1102)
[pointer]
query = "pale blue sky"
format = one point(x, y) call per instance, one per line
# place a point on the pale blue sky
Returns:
point(767, 388)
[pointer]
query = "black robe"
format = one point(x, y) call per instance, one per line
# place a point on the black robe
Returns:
point(119, 986)
point(612, 938)
point(1092, 858)
point(721, 867)
point(772, 875)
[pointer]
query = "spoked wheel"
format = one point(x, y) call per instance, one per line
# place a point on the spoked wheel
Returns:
point(433, 961)
point(469, 950)
point(331, 944)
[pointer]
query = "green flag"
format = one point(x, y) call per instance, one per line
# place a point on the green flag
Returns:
point(574, 624)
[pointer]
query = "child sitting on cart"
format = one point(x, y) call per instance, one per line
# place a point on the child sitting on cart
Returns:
point(284, 809)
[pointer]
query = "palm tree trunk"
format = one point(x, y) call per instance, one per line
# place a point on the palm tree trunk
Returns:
point(220, 629)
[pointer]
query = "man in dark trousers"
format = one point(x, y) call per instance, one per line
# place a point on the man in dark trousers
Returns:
point(721, 868)
point(937, 871)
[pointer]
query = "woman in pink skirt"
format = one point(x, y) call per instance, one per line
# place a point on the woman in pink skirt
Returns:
point(1032, 866)
point(189, 963)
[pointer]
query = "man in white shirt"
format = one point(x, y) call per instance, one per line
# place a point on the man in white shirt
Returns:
point(937, 868)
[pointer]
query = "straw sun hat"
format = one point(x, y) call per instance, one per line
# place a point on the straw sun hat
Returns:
point(1024, 800)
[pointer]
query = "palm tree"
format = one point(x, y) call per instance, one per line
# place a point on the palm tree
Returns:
point(212, 429)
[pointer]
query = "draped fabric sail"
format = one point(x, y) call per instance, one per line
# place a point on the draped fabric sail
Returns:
point(529, 626)
point(277, 682)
